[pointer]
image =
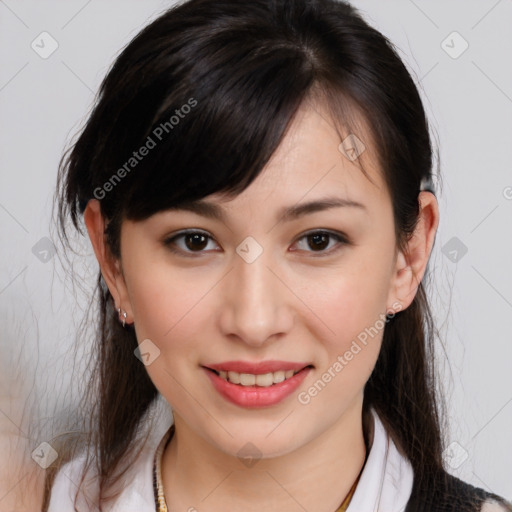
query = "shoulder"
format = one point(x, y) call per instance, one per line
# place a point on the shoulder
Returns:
point(444, 492)
point(491, 505)
point(68, 482)
point(486, 501)
point(133, 491)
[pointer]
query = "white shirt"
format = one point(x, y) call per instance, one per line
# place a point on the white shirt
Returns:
point(385, 484)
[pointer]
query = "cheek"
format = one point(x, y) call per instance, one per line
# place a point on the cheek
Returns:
point(348, 302)
point(350, 307)
point(164, 300)
point(170, 314)
point(350, 316)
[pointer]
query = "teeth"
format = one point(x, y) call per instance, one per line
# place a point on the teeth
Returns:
point(265, 380)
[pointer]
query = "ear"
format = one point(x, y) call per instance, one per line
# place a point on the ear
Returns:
point(412, 262)
point(110, 266)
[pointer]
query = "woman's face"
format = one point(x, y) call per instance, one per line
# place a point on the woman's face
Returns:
point(263, 286)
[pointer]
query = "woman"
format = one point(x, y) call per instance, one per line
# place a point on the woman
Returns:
point(250, 358)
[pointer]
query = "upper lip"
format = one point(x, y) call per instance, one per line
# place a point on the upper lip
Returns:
point(259, 368)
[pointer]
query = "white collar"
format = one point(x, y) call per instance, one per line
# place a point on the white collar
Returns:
point(385, 484)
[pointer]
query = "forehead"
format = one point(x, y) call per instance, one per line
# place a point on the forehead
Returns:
point(318, 157)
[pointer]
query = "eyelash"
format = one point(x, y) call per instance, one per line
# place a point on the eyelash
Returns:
point(339, 237)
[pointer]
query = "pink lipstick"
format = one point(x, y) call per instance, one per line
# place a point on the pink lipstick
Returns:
point(255, 385)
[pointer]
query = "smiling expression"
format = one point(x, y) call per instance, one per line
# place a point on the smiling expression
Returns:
point(292, 269)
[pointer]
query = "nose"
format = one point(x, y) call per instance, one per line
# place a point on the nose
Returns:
point(257, 305)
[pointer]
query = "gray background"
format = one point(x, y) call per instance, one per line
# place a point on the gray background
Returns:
point(469, 102)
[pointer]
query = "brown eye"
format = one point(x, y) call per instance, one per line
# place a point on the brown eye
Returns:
point(195, 241)
point(190, 242)
point(319, 241)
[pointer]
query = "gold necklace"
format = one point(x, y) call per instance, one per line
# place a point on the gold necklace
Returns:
point(161, 505)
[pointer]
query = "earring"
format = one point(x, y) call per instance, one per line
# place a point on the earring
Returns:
point(123, 320)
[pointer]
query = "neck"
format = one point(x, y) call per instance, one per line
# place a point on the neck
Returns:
point(315, 476)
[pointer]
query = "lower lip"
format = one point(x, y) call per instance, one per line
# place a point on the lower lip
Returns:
point(256, 396)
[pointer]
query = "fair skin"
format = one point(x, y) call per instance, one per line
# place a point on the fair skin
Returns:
point(294, 302)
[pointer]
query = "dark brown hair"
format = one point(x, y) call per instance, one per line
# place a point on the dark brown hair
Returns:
point(244, 69)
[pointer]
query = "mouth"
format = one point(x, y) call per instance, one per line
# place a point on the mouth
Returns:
point(255, 390)
point(263, 380)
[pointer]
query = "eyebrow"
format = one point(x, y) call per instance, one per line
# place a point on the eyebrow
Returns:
point(286, 214)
